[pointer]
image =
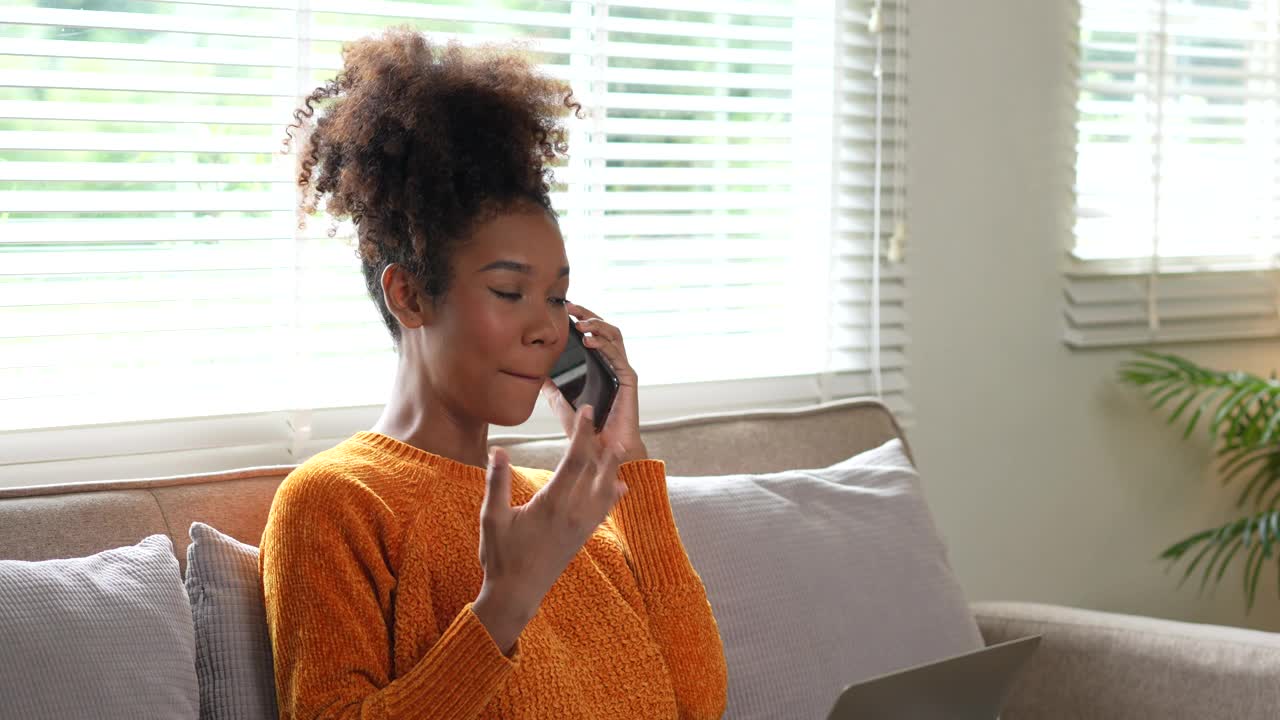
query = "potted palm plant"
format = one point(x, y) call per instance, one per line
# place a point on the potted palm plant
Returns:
point(1242, 415)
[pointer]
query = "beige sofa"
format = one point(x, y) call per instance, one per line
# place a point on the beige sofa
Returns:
point(1091, 665)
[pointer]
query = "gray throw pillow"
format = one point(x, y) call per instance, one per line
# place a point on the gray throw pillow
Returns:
point(108, 636)
point(233, 647)
point(820, 578)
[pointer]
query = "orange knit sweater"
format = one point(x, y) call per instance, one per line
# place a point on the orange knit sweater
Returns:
point(370, 566)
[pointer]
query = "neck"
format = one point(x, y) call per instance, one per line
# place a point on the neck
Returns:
point(417, 415)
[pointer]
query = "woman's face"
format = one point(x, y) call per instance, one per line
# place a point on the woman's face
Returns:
point(502, 324)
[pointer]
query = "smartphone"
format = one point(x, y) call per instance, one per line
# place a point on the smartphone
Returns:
point(584, 377)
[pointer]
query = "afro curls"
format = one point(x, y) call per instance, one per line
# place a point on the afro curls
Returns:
point(416, 143)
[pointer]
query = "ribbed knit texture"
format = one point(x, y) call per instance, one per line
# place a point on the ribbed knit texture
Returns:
point(370, 566)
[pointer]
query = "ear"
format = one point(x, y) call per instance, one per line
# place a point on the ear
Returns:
point(404, 298)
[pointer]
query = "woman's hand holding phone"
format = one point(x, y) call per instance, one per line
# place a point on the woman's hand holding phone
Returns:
point(623, 424)
point(524, 549)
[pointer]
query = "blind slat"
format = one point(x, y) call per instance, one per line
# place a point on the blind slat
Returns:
point(696, 103)
point(718, 31)
point(283, 199)
point(107, 20)
point(140, 172)
point(736, 7)
point(160, 54)
point(694, 53)
point(139, 142)
point(150, 113)
point(684, 128)
point(142, 83)
point(137, 202)
point(272, 173)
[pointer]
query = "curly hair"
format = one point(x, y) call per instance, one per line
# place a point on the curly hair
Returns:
point(417, 143)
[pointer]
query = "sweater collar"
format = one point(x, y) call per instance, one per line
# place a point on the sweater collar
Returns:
point(419, 457)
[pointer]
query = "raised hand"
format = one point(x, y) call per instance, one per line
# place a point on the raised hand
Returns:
point(623, 425)
point(524, 549)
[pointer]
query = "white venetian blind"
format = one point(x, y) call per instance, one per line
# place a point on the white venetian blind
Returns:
point(1176, 172)
point(720, 201)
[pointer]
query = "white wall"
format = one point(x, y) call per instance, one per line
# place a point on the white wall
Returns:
point(1051, 482)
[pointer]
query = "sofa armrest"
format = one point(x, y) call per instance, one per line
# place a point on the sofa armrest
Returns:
point(1096, 665)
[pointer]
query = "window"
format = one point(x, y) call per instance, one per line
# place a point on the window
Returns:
point(1176, 181)
point(734, 200)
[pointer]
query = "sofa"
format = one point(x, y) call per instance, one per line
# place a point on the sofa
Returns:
point(1090, 664)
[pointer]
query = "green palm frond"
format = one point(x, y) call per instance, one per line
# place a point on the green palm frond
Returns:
point(1262, 468)
point(1258, 536)
point(1243, 418)
point(1241, 408)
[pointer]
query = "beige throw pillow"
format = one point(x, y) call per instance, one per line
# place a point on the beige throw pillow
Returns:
point(108, 636)
point(820, 578)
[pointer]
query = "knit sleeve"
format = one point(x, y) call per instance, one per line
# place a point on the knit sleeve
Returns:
point(328, 558)
point(679, 614)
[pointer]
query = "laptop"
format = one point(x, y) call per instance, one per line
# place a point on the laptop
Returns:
point(971, 686)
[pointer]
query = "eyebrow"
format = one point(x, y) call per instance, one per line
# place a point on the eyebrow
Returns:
point(517, 267)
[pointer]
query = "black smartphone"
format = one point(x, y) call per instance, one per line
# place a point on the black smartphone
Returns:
point(584, 376)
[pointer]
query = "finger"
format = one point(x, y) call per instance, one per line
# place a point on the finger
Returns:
point(578, 458)
point(580, 312)
point(592, 455)
point(616, 356)
point(497, 489)
point(606, 478)
point(592, 497)
point(607, 469)
point(559, 405)
point(582, 446)
point(599, 328)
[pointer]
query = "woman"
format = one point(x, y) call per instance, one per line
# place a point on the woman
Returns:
point(408, 573)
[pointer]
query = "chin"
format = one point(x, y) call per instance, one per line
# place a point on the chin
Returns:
point(510, 418)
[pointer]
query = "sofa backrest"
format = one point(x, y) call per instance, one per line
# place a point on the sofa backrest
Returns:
point(72, 520)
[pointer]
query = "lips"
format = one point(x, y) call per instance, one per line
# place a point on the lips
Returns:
point(530, 378)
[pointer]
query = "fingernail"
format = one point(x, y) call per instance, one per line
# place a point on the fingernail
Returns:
point(588, 412)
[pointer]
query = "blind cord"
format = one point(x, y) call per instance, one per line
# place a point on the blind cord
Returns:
point(875, 25)
point(1157, 162)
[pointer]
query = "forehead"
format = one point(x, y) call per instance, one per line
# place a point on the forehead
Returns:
point(527, 236)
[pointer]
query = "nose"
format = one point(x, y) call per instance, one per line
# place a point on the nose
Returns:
point(544, 328)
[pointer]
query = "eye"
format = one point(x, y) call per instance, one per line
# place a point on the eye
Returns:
point(506, 295)
point(558, 301)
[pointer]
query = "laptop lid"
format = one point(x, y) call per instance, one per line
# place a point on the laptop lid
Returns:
point(971, 686)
